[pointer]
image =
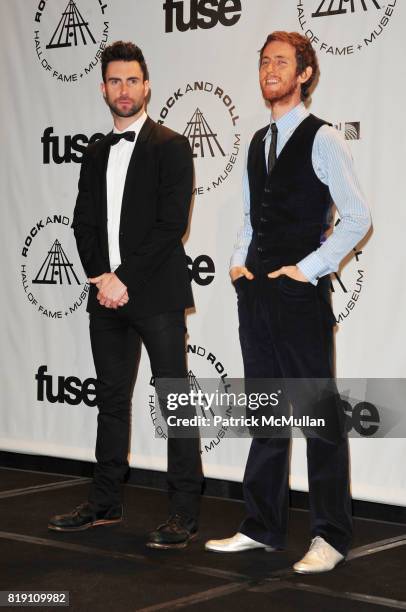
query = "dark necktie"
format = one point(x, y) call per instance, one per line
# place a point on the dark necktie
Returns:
point(272, 148)
point(115, 138)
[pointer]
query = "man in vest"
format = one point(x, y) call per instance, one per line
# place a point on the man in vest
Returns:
point(296, 168)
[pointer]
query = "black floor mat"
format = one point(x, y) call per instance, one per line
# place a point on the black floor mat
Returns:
point(97, 583)
point(113, 570)
point(16, 479)
point(285, 600)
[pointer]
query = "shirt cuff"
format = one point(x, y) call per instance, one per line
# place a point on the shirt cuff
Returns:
point(237, 259)
point(313, 267)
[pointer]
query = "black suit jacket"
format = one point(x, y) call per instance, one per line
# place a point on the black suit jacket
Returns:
point(154, 217)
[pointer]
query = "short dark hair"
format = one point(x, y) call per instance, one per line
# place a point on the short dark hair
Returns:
point(305, 56)
point(124, 51)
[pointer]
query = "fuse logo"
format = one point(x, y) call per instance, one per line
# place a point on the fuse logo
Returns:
point(204, 14)
point(70, 390)
point(201, 269)
point(65, 149)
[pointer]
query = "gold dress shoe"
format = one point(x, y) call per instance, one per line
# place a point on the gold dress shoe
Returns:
point(321, 557)
point(238, 543)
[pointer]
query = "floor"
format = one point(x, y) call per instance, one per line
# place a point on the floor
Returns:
point(110, 569)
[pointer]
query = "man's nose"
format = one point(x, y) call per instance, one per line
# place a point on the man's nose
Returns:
point(271, 67)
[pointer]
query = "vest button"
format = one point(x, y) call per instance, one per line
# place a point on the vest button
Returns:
point(267, 190)
point(261, 234)
point(260, 249)
point(265, 205)
point(263, 220)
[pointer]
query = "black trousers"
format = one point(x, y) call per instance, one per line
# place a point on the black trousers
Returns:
point(116, 345)
point(286, 331)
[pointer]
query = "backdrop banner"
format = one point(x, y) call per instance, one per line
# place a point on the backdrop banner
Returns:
point(203, 61)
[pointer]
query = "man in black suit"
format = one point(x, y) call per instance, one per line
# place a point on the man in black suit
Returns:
point(131, 213)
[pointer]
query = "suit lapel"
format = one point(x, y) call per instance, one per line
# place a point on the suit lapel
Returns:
point(102, 161)
point(136, 173)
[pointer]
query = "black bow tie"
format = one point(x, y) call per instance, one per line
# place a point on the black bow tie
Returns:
point(115, 138)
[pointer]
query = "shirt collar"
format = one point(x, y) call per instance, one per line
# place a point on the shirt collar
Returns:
point(289, 121)
point(133, 127)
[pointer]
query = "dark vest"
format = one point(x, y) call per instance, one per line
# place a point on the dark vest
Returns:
point(289, 208)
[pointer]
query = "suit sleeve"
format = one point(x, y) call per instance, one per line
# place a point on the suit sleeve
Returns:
point(85, 225)
point(173, 204)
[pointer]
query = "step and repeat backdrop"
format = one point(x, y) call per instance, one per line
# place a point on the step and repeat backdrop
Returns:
point(203, 61)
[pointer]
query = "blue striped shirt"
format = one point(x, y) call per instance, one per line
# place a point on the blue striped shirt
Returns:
point(334, 166)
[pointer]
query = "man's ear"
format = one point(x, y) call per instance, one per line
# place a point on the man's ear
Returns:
point(305, 75)
point(103, 89)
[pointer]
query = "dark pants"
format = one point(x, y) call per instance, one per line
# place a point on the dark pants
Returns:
point(286, 331)
point(116, 345)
